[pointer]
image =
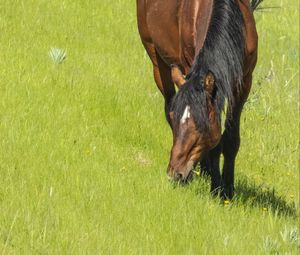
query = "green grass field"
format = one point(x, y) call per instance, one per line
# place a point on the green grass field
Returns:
point(85, 145)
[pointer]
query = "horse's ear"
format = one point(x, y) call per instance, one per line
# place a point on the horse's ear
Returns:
point(209, 83)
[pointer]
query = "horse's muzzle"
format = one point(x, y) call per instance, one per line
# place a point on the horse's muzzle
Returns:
point(183, 176)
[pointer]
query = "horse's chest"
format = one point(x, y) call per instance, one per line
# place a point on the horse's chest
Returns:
point(163, 27)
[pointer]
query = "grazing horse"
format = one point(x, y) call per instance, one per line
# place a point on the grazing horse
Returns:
point(208, 48)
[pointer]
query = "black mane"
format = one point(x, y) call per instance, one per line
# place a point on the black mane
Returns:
point(223, 55)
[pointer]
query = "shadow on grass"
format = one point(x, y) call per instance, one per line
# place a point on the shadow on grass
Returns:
point(248, 194)
point(257, 196)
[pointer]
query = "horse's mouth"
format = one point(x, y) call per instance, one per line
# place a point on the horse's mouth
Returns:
point(188, 177)
point(192, 170)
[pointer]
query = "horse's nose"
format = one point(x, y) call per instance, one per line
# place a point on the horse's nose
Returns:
point(174, 175)
point(178, 176)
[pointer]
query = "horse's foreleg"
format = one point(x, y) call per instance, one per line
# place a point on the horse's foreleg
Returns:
point(210, 166)
point(231, 137)
point(163, 79)
point(205, 165)
point(214, 156)
point(231, 143)
point(162, 76)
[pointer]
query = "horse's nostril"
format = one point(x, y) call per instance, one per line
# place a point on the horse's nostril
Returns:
point(178, 176)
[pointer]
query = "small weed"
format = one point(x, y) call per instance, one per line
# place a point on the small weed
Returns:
point(57, 55)
point(291, 236)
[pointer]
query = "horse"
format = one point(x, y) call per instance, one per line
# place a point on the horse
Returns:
point(208, 50)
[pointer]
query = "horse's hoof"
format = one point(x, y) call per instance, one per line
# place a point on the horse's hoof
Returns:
point(227, 193)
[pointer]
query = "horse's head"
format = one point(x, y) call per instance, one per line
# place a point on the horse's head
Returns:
point(196, 128)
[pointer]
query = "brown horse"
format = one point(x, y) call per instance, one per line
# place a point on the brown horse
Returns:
point(208, 48)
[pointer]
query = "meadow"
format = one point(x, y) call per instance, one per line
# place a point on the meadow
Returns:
point(85, 145)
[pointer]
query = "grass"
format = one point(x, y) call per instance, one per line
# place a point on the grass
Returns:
point(84, 143)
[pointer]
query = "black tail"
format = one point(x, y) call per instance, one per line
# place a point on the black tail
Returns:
point(255, 4)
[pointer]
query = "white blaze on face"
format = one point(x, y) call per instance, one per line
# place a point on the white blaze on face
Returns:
point(186, 114)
